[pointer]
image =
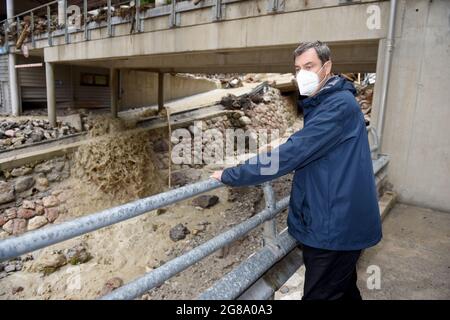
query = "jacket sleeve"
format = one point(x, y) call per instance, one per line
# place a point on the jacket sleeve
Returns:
point(320, 135)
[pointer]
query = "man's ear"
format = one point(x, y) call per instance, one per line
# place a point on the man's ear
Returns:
point(329, 67)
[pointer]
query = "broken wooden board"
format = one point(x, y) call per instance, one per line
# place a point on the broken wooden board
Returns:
point(197, 101)
point(57, 149)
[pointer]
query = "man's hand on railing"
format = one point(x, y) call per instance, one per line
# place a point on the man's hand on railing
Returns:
point(217, 175)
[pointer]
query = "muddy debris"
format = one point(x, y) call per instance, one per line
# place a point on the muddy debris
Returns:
point(119, 164)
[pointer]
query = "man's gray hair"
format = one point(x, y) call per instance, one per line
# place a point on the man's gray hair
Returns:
point(323, 51)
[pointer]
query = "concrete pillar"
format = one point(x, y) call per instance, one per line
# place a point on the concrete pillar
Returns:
point(114, 91)
point(13, 82)
point(51, 97)
point(160, 91)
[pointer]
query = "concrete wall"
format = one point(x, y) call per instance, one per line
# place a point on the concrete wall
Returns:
point(140, 88)
point(417, 127)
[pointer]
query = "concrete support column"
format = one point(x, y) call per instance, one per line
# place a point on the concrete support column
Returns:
point(114, 91)
point(160, 91)
point(51, 97)
point(13, 82)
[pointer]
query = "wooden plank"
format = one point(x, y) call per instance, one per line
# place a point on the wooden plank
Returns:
point(60, 150)
point(29, 65)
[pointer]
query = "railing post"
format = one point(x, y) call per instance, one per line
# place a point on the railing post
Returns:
point(173, 14)
point(85, 14)
point(138, 16)
point(49, 26)
point(275, 6)
point(7, 35)
point(270, 228)
point(160, 91)
point(51, 97)
point(33, 41)
point(66, 27)
point(109, 18)
point(217, 10)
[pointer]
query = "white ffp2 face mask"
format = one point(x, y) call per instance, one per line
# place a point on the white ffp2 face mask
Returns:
point(308, 81)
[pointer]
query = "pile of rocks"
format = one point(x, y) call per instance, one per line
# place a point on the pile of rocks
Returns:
point(260, 111)
point(26, 199)
point(31, 215)
point(16, 133)
point(365, 99)
point(268, 111)
point(47, 261)
point(13, 265)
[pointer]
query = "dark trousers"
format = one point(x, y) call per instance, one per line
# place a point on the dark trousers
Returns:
point(330, 275)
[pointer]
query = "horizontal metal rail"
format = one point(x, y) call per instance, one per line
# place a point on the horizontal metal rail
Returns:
point(266, 286)
point(30, 241)
point(172, 10)
point(280, 247)
point(234, 283)
point(159, 276)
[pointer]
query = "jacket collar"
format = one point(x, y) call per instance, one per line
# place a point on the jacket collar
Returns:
point(329, 86)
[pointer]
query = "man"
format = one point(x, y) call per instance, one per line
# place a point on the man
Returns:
point(333, 210)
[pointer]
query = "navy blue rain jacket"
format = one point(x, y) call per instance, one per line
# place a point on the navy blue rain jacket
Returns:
point(333, 203)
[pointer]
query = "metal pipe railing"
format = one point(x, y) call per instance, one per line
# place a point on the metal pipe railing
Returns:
point(30, 241)
point(274, 278)
point(171, 10)
point(278, 248)
point(159, 276)
point(233, 284)
point(13, 247)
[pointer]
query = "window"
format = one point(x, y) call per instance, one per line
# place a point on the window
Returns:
point(94, 80)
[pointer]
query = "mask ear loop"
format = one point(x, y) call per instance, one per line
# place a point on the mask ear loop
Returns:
point(321, 70)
